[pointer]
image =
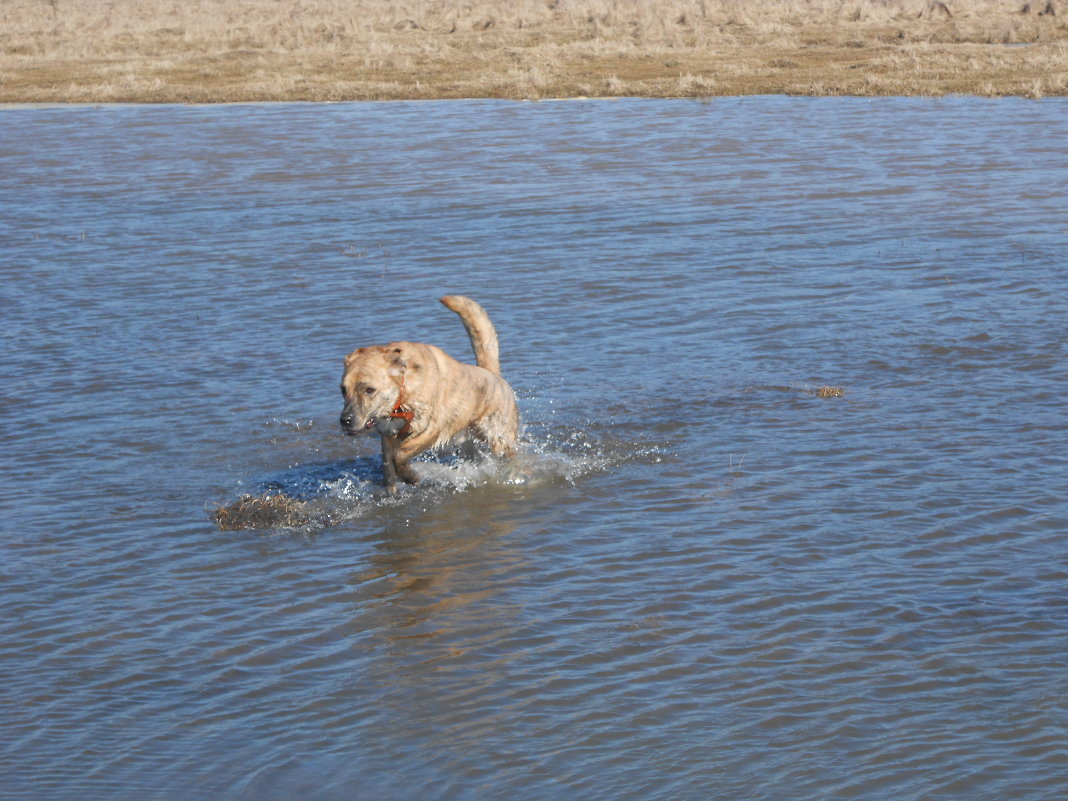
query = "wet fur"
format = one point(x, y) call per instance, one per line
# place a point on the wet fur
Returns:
point(449, 399)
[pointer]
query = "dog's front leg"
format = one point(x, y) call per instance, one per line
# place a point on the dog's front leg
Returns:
point(389, 464)
point(395, 464)
point(404, 469)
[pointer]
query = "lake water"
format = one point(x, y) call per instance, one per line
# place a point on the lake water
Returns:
point(701, 580)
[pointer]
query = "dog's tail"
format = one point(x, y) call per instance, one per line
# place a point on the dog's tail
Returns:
point(479, 328)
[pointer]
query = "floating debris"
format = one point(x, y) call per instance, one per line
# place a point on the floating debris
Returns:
point(823, 391)
point(261, 511)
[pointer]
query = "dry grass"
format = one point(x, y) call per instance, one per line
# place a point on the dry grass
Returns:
point(244, 50)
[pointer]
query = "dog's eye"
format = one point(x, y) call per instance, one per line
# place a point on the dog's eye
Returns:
point(369, 390)
point(342, 389)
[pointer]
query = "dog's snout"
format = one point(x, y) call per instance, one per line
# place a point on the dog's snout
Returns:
point(348, 418)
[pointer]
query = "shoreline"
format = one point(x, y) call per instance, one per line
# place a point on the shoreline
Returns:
point(44, 106)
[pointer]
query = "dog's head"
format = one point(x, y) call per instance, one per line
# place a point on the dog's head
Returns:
point(371, 386)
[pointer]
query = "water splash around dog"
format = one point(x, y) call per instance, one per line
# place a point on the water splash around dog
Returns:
point(316, 495)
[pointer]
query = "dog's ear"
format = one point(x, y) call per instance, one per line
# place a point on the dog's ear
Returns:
point(356, 354)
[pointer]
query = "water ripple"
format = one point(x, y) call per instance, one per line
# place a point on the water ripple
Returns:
point(702, 578)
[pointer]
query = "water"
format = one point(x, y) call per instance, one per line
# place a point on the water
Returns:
point(702, 580)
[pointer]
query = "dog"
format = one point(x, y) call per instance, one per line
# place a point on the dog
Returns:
point(417, 397)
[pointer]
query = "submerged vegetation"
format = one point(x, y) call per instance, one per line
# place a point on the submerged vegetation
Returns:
point(829, 392)
point(322, 50)
point(261, 511)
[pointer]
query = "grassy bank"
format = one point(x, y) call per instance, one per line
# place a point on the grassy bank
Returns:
point(247, 50)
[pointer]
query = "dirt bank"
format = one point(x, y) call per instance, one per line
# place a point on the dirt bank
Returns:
point(317, 50)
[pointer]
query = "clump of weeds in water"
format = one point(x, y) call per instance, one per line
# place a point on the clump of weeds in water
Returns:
point(829, 392)
point(261, 511)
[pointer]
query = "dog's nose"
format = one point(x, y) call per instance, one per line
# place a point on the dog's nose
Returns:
point(348, 418)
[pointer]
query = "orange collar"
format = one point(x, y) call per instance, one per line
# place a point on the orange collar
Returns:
point(398, 414)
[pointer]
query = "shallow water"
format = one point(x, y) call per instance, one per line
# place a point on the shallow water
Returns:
point(702, 580)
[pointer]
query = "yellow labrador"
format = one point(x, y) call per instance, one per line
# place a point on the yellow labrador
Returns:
point(416, 396)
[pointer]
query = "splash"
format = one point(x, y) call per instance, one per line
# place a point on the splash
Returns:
point(344, 492)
